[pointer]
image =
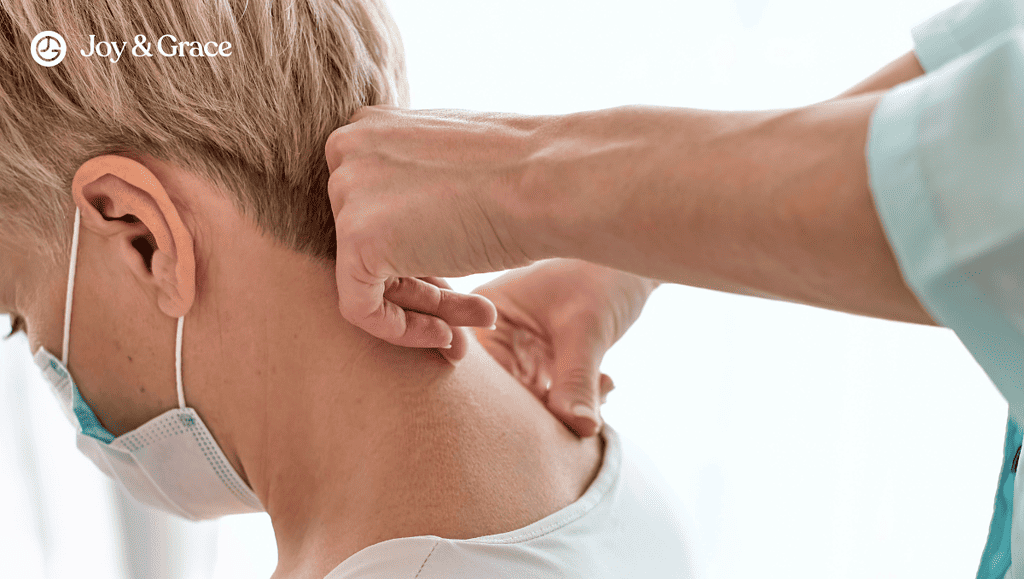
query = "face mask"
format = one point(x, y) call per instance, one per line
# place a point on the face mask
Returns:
point(171, 462)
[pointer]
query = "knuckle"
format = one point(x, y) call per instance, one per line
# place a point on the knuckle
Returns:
point(340, 185)
point(335, 147)
point(443, 297)
point(333, 139)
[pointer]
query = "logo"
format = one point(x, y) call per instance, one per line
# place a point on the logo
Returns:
point(167, 45)
point(49, 48)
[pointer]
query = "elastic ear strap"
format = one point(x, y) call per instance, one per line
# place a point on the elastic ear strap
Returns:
point(67, 314)
point(71, 288)
point(177, 363)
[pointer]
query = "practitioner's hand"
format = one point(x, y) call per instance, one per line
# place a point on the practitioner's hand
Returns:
point(413, 194)
point(460, 336)
point(556, 320)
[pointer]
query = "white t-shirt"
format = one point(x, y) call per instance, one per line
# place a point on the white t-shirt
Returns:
point(628, 523)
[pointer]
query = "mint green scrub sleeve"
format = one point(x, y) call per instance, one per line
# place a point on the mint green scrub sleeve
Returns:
point(945, 156)
point(961, 28)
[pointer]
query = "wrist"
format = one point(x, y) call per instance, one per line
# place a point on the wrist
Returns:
point(576, 179)
point(532, 202)
point(509, 204)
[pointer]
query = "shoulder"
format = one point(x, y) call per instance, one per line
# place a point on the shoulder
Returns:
point(629, 522)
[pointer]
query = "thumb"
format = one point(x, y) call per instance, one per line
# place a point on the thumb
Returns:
point(575, 393)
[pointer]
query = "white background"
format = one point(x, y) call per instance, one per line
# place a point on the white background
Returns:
point(805, 443)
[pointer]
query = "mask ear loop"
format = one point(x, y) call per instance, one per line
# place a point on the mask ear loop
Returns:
point(67, 314)
point(71, 289)
point(177, 363)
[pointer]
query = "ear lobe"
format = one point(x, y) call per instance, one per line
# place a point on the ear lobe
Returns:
point(119, 196)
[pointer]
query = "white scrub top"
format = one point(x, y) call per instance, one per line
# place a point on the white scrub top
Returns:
point(945, 157)
point(627, 524)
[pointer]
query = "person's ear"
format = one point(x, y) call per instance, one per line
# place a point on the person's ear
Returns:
point(121, 199)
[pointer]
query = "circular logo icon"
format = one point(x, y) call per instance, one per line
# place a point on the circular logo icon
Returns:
point(49, 48)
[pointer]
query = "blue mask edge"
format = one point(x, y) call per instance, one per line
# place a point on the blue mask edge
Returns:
point(87, 420)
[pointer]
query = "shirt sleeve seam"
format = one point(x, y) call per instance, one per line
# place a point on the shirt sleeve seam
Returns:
point(425, 559)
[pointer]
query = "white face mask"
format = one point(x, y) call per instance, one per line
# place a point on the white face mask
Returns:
point(171, 462)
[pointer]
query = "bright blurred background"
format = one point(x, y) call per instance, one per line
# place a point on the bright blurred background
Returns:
point(806, 443)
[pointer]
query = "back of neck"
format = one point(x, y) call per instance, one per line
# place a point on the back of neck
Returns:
point(431, 450)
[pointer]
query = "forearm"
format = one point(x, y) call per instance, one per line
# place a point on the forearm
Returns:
point(900, 70)
point(772, 202)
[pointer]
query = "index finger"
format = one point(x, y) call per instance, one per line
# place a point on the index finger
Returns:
point(361, 302)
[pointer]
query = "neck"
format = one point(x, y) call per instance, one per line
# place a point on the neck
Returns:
point(420, 449)
point(349, 441)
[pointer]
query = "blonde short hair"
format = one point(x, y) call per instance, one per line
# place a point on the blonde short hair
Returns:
point(255, 123)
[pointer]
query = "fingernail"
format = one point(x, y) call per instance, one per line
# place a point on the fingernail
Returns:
point(583, 411)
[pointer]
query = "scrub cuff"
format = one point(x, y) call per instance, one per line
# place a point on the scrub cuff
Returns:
point(934, 43)
point(905, 130)
point(961, 28)
point(897, 183)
